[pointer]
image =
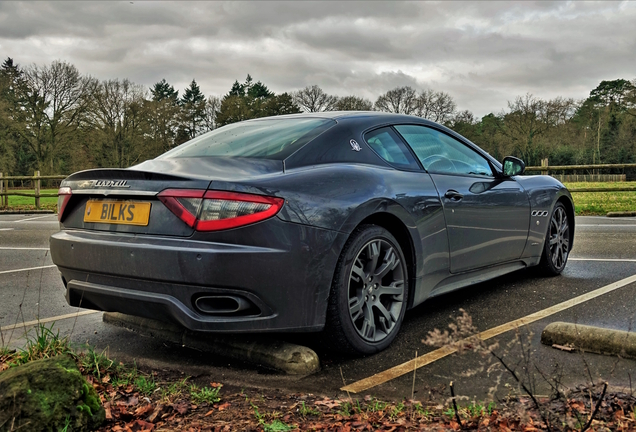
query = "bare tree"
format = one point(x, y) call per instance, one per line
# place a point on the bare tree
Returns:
point(353, 103)
point(400, 100)
point(118, 116)
point(464, 117)
point(55, 101)
point(530, 117)
point(212, 105)
point(314, 99)
point(436, 106)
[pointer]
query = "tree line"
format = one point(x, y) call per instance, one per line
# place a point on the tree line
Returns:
point(57, 120)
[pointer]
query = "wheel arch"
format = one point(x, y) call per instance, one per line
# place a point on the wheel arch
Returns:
point(569, 209)
point(398, 229)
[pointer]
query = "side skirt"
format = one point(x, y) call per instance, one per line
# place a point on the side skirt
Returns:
point(464, 280)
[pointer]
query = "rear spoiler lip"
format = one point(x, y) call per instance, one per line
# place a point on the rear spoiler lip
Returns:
point(107, 192)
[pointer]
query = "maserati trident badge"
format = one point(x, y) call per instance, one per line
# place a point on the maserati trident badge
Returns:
point(354, 145)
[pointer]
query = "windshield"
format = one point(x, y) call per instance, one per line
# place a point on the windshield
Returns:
point(266, 139)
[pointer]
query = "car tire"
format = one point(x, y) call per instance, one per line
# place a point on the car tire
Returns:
point(556, 247)
point(369, 293)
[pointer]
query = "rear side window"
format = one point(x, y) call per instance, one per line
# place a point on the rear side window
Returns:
point(390, 147)
point(265, 139)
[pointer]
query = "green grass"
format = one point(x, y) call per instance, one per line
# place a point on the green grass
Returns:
point(41, 343)
point(600, 203)
point(307, 411)
point(145, 385)
point(209, 395)
point(28, 203)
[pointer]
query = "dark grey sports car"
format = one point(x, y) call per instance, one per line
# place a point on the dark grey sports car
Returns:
point(333, 221)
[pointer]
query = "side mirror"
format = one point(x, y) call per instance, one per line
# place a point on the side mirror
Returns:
point(513, 166)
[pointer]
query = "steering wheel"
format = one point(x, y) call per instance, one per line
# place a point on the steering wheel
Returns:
point(439, 163)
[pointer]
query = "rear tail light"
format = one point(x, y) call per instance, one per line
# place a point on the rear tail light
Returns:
point(63, 197)
point(219, 210)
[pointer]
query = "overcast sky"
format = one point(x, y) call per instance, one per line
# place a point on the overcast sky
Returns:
point(482, 53)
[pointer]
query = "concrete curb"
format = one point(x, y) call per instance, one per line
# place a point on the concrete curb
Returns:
point(593, 339)
point(26, 212)
point(283, 356)
point(621, 214)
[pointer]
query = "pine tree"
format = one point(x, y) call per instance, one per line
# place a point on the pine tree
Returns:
point(164, 115)
point(259, 91)
point(193, 110)
point(236, 90)
point(162, 90)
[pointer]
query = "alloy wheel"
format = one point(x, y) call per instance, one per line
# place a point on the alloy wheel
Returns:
point(559, 238)
point(376, 290)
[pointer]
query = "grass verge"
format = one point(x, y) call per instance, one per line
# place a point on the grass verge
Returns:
point(585, 203)
point(601, 203)
point(27, 202)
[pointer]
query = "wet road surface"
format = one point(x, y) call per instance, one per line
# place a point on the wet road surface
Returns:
point(604, 252)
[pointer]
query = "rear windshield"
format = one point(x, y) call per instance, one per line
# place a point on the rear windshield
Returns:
point(266, 139)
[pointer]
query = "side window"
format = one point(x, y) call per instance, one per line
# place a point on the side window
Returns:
point(440, 153)
point(390, 147)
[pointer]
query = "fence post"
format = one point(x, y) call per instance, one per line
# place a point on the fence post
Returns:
point(36, 176)
point(1, 190)
point(544, 163)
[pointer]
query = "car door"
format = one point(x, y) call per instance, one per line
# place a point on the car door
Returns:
point(487, 216)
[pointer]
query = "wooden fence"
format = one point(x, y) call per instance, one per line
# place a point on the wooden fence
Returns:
point(544, 168)
point(37, 183)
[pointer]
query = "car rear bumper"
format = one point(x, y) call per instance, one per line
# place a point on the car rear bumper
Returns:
point(281, 286)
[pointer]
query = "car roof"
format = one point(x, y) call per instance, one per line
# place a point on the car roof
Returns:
point(370, 119)
point(340, 115)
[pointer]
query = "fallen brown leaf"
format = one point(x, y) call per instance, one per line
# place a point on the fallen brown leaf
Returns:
point(143, 410)
point(152, 418)
point(141, 426)
point(223, 406)
point(454, 425)
point(182, 407)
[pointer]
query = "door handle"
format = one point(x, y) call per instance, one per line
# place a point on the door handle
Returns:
point(453, 195)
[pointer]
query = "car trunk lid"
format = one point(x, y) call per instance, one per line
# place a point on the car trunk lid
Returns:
point(125, 200)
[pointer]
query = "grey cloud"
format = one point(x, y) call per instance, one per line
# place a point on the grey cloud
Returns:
point(482, 53)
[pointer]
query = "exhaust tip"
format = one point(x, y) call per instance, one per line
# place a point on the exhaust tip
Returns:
point(223, 305)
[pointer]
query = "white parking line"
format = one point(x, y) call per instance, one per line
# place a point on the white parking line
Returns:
point(6, 229)
point(606, 225)
point(30, 221)
point(447, 350)
point(27, 269)
point(37, 217)
point(47, 320)
point(608, 219)
point(603, 259)
point(21, 248)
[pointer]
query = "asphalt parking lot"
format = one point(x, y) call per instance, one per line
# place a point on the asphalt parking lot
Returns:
point(604, 253)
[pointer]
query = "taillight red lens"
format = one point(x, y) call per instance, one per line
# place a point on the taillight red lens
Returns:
point(219, 210)
point(224, 210)
point(183, 202)
point(63, 197)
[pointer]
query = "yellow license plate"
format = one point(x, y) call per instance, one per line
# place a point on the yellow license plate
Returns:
point(117, 212)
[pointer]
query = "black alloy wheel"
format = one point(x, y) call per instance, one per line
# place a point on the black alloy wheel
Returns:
point(369, 292)
point(556, 249)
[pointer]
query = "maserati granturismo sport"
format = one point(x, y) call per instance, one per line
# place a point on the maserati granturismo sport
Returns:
point(333, 222)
